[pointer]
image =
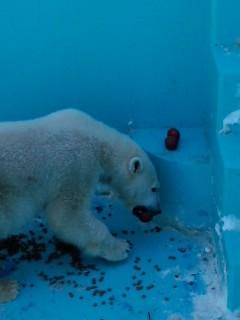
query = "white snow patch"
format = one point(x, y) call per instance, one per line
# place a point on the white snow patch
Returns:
point(211, 307)
point(218, 226)
point(207, 250)
point(218, 229)
point(213, 304)
point(230, 223)
point(231, 119)
point(165, 273)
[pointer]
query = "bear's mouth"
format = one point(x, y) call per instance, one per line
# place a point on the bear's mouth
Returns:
point(145, 214)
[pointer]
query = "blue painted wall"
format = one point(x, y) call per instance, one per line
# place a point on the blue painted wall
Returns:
point(226, 157)
point(226, 29)
point(119, 60)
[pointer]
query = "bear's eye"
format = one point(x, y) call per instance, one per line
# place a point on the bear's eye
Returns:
point(154, 189)
point(136, 166)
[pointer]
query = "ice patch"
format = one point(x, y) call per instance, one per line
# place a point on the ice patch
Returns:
point(217, 225)
point(213, 304)
point(212, 307)
point(231, 119)
point(230, 223)
point(218, 229)
point(207, 250)
point(165, 273)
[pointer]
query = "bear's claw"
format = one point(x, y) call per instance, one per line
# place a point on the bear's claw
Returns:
point(117, 250)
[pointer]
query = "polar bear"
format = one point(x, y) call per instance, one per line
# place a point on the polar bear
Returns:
point(54, 163)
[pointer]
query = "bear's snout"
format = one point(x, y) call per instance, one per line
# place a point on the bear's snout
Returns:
point(145, 214)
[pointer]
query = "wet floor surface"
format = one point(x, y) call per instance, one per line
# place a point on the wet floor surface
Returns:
point(162, 278)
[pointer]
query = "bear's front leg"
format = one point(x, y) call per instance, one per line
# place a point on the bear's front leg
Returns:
point(76, 225)
point(102, 244)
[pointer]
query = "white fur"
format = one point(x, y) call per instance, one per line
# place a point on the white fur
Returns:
point(55, 162)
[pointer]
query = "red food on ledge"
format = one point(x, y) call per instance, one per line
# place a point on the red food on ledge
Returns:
point(173, 132)
point(171, 143)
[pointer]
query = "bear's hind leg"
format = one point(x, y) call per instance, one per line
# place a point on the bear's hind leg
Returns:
point(9, 290)
point(74, 224)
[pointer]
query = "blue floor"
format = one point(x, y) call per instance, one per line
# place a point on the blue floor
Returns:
point(165, 278)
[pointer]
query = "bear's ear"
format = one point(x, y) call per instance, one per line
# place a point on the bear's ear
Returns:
point(135, 165)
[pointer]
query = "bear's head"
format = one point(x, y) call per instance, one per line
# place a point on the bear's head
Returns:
point(137, 184)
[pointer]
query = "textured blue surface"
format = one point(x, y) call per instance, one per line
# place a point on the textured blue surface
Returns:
point(162, 277)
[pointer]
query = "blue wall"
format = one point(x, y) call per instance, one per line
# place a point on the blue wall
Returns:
point(226, 29)
point(226, 157)
point(119, 60)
